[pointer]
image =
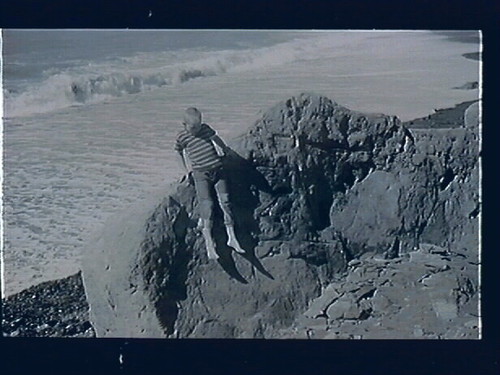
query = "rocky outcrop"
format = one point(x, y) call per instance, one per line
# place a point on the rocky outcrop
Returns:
point(314, 185)
point(426, 293)
point(468, 86)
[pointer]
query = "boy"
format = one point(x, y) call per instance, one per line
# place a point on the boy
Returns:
point(199, 142)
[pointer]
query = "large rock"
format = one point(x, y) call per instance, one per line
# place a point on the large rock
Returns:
point(314, 185)
point(430, 194)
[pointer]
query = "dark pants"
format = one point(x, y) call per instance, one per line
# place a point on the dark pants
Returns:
point(205, 183)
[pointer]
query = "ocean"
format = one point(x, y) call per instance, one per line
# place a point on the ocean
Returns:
point(90, 116)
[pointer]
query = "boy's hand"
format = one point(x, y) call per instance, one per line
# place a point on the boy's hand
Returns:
point(220, 147)
point(188, 177)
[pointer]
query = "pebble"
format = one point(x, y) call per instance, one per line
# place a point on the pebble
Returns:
point(15, 333)
point(354, 263)
point(471, 323)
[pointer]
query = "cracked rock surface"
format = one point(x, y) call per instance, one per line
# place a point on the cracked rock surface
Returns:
point(429, 293)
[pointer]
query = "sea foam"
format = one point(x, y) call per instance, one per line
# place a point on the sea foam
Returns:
point(94, 83)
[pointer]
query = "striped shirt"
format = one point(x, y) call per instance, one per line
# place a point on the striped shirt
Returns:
point(199, 148)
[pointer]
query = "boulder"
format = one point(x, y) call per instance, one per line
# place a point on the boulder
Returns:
point(429, 194)
point(313, 185)
point(471, 116)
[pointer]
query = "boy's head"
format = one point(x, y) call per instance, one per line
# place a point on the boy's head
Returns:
point(192, 120)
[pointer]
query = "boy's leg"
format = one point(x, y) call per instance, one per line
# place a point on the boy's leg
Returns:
point(221, 188)
point(209, 241)
point(206, 204)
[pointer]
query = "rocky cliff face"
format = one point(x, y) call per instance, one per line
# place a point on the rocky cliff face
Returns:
point(314, 186)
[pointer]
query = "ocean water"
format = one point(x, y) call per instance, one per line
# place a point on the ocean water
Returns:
point(90, 116)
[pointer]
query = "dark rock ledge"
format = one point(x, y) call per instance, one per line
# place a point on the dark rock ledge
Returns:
point(335, 208)
point(446, 118)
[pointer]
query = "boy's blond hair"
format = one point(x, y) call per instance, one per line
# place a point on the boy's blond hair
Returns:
point(192, 116)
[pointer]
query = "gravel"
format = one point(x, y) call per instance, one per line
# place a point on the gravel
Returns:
point(51, 309)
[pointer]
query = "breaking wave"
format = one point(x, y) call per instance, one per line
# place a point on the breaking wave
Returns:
point(94, 83)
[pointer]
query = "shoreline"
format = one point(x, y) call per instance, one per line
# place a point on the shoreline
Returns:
point(58, 308)
point(74, 189)
point(461, 37)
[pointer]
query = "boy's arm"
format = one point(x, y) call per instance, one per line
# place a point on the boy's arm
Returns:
point(180, 154)
point(218, 142)
point(181, 159)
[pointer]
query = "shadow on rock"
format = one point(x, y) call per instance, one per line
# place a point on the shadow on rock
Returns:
point(257, 264)
point(168, 283)
point(227, 263)
point(245, 183)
